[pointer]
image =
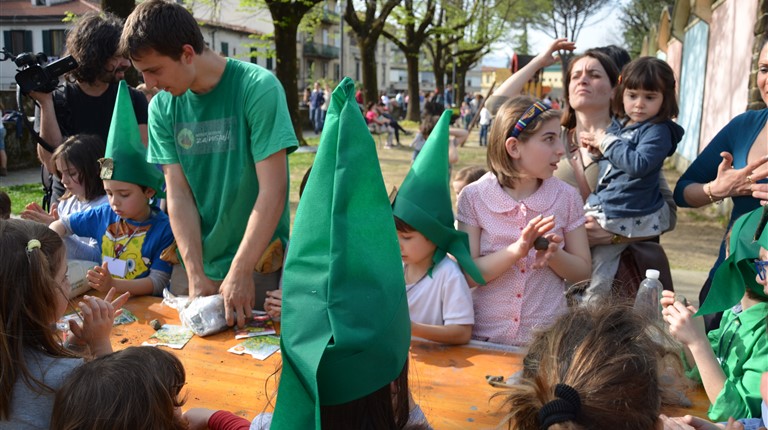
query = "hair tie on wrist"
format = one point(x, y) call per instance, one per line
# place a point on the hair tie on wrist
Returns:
point(565, 407)
point(33, 244)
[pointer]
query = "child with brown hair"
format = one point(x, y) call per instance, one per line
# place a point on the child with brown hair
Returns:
point(504, 212)
point(595, 367)
point(5, 205)
point(33, 286)
point(466, 176)
point(146, 398)
point(77, 166)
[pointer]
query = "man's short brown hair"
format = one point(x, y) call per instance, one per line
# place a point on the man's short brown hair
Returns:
point(162, 26)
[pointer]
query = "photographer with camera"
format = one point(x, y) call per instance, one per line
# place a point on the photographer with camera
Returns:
point(85, 103)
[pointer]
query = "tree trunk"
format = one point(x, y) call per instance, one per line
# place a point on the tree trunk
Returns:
point(368, 60)
point(460, 87)
point(414, 107)
point(439, 71)
point(287, 71)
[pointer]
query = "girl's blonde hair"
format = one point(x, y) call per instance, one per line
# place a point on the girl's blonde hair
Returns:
point(610, 355)
point(30, 256)
point(499, 161)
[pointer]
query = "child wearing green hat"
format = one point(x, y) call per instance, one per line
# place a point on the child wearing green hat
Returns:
point(439, 301)
point(130, 232)
point(729, 361)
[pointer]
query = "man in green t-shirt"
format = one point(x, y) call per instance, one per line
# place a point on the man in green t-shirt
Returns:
point(221, 131)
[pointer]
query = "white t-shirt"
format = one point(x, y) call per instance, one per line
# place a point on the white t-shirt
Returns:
point(485, 116)
point(443, 299)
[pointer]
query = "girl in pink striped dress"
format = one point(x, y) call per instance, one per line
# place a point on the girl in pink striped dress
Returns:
point(506, 210)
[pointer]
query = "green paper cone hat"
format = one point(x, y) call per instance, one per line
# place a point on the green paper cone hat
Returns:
point(424, 200)
point(737, 272)
point(126, 157)
point(345, 323)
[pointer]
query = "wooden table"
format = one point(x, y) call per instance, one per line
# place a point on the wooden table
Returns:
point(447, 381)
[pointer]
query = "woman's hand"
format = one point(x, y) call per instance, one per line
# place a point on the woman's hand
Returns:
point(596, 234)
point(547, 57)
point(732, 182)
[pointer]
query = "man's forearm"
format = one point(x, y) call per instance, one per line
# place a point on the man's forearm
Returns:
point(49, 131)
point(261, 226)
point(185, 223)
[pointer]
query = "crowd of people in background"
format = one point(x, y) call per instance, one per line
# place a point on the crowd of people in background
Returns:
point(528, 256)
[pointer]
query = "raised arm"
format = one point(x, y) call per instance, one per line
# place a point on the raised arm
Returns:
point(514, 85)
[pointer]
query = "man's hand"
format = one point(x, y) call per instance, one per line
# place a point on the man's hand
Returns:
point(239, 295)
point(201, 286)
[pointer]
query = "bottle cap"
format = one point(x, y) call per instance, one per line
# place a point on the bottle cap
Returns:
point(652, 273)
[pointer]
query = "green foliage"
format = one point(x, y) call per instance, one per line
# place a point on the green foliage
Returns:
point(637, 18)
point(69, 17)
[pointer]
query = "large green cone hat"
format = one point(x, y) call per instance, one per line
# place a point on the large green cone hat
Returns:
point(424, 200)
point(345, 323)
point(737, 272)
point(126, 157)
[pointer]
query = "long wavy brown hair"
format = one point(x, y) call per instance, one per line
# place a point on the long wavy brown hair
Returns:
point(28, 290)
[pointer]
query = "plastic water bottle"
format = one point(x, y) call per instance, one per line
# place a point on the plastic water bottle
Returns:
point(648, 296)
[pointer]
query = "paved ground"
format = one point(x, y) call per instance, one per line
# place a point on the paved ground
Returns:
point(687, 282)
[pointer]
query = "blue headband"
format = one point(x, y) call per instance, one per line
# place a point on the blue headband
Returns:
point(536, 109)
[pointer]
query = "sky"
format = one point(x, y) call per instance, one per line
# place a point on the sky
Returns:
point(602, 29)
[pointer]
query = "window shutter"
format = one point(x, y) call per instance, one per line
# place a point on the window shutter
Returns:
point(47, 42)
point(27, 41)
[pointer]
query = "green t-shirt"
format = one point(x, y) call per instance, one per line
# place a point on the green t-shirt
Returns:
point(218, 137)
point(741, 346)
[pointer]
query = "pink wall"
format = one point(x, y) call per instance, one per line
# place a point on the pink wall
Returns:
point(729, 60)
point(675, 59)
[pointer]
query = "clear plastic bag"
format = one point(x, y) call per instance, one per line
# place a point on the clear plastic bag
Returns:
point(204, 315)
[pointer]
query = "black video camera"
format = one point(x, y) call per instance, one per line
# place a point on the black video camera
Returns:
point(33, 75)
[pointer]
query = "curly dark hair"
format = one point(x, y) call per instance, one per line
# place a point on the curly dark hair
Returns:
point(93, 41)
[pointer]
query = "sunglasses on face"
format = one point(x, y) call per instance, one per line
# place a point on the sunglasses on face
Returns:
point(760, 266)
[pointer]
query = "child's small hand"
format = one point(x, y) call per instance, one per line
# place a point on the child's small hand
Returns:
point(99, 278)
point(667, 298)
point(592, 141)
point(98, 316)
point(197, 418)
point(34, 212)
point(273, 304)
point(543, 256)
point(681, 324)
point(536, 227)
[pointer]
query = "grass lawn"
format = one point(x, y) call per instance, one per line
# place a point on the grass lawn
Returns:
point(394, 164)
point(21, 195)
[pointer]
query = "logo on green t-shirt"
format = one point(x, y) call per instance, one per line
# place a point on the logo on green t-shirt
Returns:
point(185, 138)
